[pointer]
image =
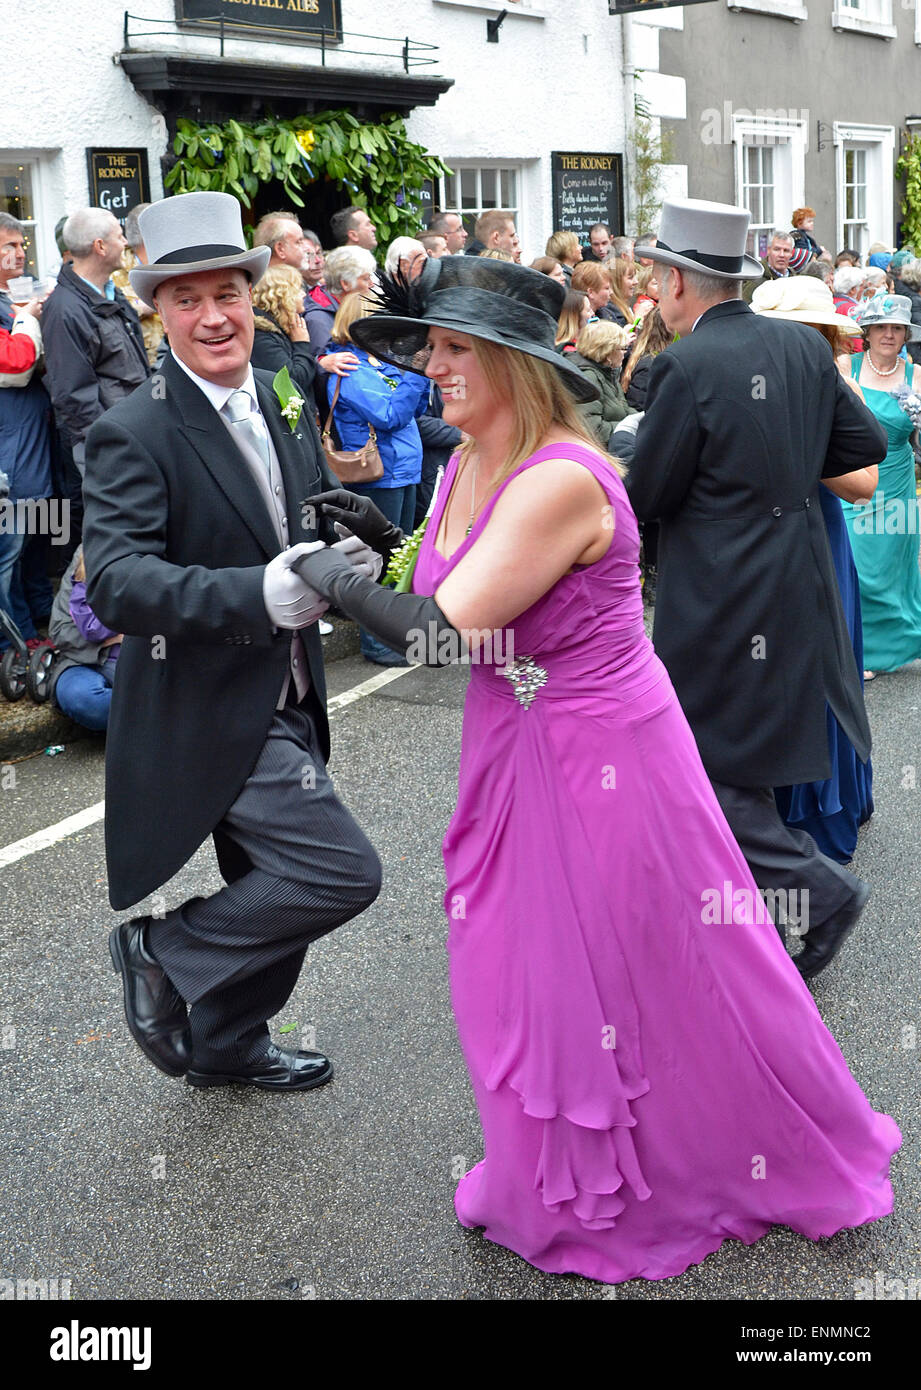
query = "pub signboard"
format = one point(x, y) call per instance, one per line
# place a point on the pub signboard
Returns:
point(587, 188)
point(285, 20)
point(118, 180)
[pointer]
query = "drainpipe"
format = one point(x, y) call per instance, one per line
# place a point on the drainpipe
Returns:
point(629, 90)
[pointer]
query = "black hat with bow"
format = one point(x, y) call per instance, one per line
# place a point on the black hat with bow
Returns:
point(499, 301)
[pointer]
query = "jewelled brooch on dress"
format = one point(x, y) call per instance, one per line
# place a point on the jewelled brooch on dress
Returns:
point(525, 677)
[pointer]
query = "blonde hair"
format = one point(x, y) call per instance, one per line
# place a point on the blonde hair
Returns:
point(619, 268)
point(278, 293)
point(569, 324)
point(562, 245)
point(653, 337)
point(645, 273)
point(496, 254)
point(541, 401)
point(354, 306)
point(598, 340)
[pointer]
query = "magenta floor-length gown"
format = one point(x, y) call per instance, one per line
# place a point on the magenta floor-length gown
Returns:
point(649, 1082)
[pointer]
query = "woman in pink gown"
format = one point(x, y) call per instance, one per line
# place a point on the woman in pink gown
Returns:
point(651, 1072)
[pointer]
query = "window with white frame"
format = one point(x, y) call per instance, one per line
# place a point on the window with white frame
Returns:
point(758, 189)
point(770, 172)
point(865, 17)
point(855, 230)
point(864, 156)
point(475, 188)
point(783, 9)
point(17, 197)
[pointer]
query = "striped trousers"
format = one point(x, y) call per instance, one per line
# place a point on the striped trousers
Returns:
point(297, 866)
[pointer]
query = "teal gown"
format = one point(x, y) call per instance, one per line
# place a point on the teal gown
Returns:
point(884, 539)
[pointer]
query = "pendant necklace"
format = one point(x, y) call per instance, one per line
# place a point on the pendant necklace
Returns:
point(889, 370)
point(473, 481)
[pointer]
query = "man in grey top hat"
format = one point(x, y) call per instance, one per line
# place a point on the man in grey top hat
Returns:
point(747, 415)
point(194, 489)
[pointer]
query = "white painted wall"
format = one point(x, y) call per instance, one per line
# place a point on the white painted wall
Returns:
point(665, 95)
point(69, 96)
point(552, 82)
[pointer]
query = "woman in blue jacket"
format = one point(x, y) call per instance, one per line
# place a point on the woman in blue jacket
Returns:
point(378, 394)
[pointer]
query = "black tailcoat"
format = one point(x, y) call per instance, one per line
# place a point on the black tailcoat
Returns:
point(747, 414)
point(176, 539)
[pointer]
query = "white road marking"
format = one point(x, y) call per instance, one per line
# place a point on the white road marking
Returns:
point(44, 839)
point(358, 692)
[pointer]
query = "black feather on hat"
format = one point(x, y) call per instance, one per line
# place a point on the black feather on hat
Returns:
point(499, 301)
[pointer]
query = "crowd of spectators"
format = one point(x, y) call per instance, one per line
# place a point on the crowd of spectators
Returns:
point(94, 341)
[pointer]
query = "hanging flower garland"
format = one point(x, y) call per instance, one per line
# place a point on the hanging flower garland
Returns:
point(380, 166)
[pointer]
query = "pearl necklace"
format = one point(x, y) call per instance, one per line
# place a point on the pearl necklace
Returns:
point(889, 370)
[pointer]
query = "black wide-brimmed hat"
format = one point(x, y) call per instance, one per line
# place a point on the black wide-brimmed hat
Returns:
point(502, 302)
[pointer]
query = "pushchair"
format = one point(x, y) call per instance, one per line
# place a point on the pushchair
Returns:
point(21, 670)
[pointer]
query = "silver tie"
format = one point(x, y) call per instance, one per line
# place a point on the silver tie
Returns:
point(244, 417)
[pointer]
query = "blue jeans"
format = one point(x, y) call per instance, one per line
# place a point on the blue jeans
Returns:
point(84, 695)
point(24, 587)
point(398, 505)
point(12, 599)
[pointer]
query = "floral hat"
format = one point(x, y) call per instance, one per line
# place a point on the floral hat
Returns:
point(889, 308)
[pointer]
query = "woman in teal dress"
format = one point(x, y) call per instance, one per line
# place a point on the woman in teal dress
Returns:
point(884, 532)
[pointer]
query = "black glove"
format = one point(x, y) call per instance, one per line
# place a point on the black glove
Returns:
point(409, 623)
point(361, 517)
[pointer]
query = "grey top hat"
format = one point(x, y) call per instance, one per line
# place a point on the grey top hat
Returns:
point(709, 237)
point(889, 308)
point(191, 232)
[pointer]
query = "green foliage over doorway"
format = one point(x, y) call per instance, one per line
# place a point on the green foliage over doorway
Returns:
point(381, 169)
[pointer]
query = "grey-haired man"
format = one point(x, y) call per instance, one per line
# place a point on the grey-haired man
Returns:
point(218, 725)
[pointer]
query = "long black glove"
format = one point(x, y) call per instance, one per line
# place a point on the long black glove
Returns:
point(361, 517)
point(409, 623)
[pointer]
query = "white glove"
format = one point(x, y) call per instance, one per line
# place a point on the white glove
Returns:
point(289, 602)
point(360, 556)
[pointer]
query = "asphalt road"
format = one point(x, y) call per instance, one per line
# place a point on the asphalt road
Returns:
point(135, 1186)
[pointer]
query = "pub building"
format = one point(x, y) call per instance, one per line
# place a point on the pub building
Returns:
point(525, 104)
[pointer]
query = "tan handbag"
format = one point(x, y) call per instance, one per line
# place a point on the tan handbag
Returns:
point(363, 465)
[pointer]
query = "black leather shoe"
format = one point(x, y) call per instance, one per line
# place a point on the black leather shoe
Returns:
point(823, 943)
point(156, 1013)
point(276, 1071)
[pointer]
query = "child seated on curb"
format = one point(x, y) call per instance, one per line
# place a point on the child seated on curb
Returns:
point(84, 668)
